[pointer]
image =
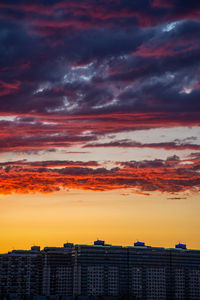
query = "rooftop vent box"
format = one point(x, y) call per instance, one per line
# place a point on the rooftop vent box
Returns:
point(99, 243)
point(139, 244)
point(181, 246)
point(35, 248)
point(68, 245)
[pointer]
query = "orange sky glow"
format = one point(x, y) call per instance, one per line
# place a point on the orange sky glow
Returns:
point(119, 217)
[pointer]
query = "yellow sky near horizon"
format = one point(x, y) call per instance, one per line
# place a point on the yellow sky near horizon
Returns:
point(118, 217)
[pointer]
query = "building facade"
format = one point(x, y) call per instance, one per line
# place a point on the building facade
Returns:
point(20, 272)
point(102, 271)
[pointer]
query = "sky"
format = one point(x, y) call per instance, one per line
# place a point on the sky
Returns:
point(99, 122)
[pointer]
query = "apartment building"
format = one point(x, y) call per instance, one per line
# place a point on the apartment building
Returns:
point(102, 270)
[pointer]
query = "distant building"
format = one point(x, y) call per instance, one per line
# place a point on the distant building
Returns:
point(57, 275)
point(20, 272)
point(102, 271)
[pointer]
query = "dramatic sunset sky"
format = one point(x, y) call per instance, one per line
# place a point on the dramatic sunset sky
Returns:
point(99, 122)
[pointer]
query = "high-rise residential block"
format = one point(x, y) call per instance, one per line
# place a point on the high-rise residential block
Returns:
point(101, 270)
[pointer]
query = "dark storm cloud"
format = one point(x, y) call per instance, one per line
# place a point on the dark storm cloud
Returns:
point(130, 43)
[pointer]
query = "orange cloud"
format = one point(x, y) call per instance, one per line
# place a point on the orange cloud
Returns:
point(169, 176)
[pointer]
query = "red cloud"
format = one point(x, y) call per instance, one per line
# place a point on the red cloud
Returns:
point(10, 85)
point(50, 164)
point(163, 3)
point(7, 88)
point(29, 132)
point(144, 177)
point(89, 14)
point(170, 48)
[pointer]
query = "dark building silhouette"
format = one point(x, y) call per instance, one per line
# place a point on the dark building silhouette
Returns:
point(101, 271)
point(21, 272)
